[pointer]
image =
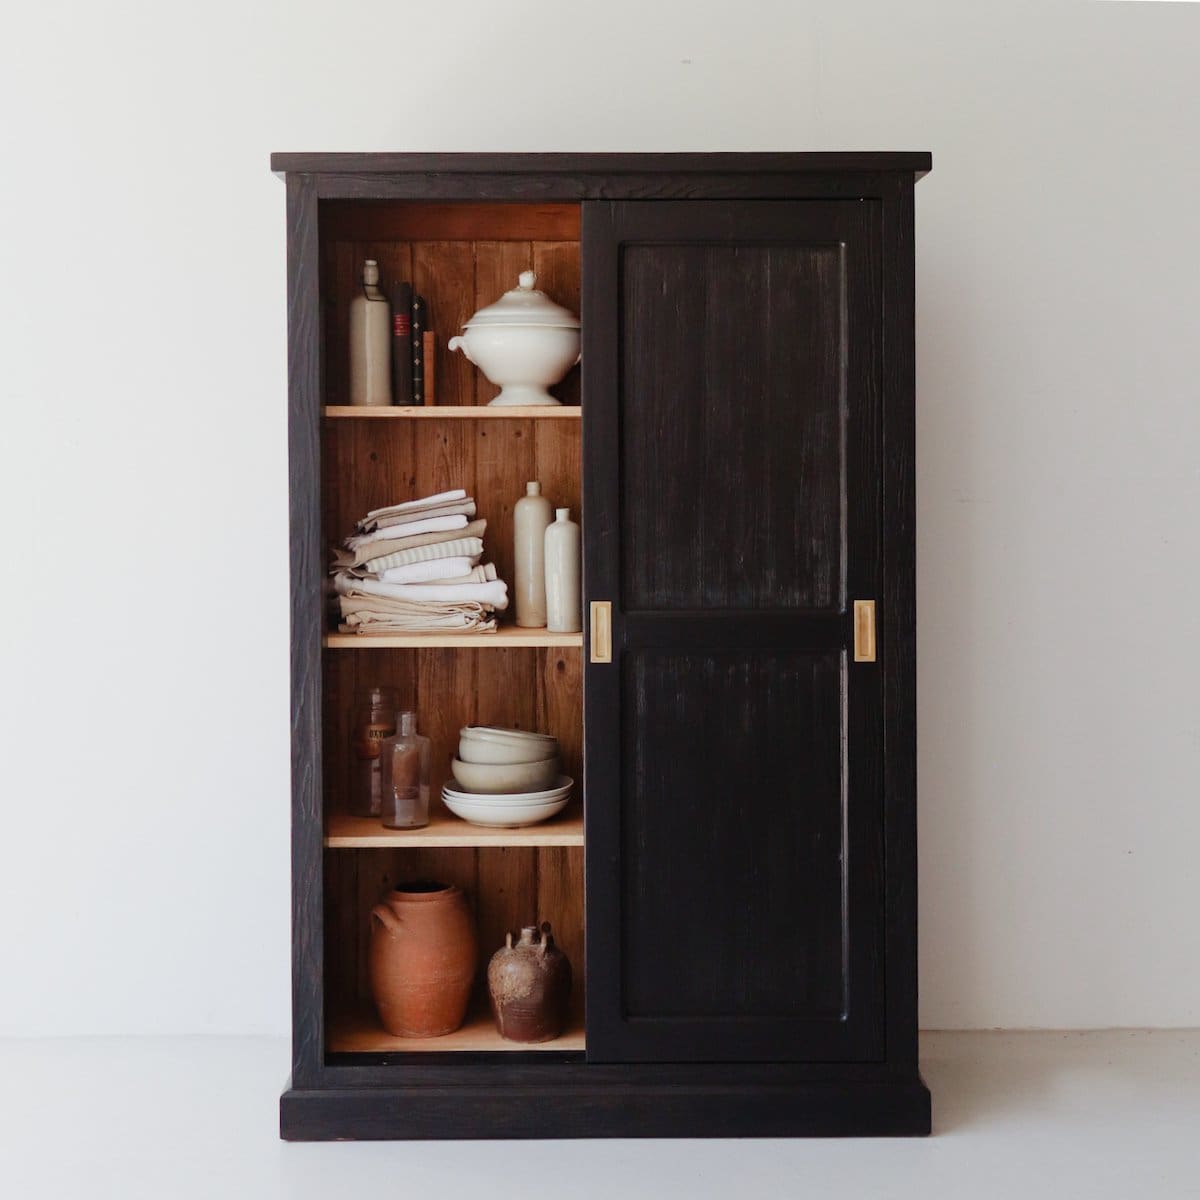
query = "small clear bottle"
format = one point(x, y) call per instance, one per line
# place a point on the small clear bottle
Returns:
point(405, 761)
point(374, 721)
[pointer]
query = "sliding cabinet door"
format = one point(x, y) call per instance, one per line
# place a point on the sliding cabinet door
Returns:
point(732, 518)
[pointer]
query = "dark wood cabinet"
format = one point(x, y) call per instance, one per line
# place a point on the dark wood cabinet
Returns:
point(744, 874)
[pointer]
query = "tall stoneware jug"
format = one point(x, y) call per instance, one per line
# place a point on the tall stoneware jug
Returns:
point(564, 607)
point(529, 984)
point(422, 959)
point(531, 515)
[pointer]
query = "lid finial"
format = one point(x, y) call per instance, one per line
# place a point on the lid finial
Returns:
point(526, 279)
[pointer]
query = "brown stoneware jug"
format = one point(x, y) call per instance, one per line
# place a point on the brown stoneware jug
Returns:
point(422, 959)
point(530, 985)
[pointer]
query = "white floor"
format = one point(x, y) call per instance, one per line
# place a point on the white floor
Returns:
point(1026, 1115)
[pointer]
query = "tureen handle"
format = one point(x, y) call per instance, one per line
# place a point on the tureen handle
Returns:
point(460, 343)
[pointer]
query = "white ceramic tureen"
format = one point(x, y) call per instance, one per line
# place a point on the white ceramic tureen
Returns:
point(524, 343)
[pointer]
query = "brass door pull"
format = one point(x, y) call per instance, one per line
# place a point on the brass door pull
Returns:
point(864, 631)
point(601, 631)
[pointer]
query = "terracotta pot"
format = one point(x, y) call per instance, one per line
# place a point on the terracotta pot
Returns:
point(422, 959)
point(530, 984)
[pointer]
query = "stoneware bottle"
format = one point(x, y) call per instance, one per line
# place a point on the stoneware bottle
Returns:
point(370, 342)
point(530, 986)
point(422, 959)
point(531, 516)
point(564, 604)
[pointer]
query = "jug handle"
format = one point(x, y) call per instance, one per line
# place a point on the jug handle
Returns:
point(387, 919)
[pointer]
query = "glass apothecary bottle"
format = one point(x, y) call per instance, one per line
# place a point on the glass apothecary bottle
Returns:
point(405, 760)
point(374, 721)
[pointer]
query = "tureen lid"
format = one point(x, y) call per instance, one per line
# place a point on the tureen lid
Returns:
point(525, 305)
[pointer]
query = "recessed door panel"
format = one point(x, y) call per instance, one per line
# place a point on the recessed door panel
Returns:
point(709, 431)
point(733, 760)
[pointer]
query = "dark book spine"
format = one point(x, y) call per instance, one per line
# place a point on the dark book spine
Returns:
point(402, 365)
point(420, 317)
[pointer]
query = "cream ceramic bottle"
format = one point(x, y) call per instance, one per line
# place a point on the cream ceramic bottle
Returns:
point(564, 601)
point(531, 516)
point(370, 342)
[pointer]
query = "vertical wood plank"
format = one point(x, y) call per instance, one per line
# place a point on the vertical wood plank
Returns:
point(508, 899)
point(560, 901)
point(558, 273)
point(444, 273)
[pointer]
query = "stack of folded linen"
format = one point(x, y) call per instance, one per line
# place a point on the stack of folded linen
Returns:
point(416, 566)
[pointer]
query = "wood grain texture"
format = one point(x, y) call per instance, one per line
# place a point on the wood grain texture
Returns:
point(552, 1107)
point(733, 422)
point(897, 628)
point(358, 1032)
point(599, 169)
point(445, 829)
point(306, 562)
point(506, 636)
point(509, 412)
point(465, 222)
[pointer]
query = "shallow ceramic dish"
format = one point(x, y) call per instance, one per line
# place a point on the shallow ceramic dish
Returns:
point(505, 778)
point(479, 750)
point(503, 816)
point(561, 789)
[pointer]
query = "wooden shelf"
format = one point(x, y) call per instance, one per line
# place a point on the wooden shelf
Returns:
point(464, 411)
point(344, 832)
point(510, 635)
point(359, 1033)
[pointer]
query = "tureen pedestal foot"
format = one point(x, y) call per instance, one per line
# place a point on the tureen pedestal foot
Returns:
point(522, 393)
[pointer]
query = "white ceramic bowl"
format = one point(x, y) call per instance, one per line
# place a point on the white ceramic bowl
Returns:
point(505, 778)
point(503, 816)
point(474, 749)
point(521, 360)
point(497, 733)
point(559, 791)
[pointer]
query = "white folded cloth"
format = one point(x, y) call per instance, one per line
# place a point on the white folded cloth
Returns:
point(471, 574)
point(493, 593)
point(424, 572)
point(429, 525)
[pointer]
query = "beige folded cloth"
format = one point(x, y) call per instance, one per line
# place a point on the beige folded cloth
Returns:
point(373, 550)
point(416, 505)
point(492, 592)
point(438, 524)
point(368, 615)
point(464, 508)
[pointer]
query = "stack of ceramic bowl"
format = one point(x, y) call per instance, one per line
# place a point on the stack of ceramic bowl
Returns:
point(506, 778)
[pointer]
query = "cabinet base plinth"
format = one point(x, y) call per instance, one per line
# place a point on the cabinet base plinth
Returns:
point(894, 1108)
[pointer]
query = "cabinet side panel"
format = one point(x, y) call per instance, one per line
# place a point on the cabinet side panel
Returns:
point(899, 621)
point(304, 474)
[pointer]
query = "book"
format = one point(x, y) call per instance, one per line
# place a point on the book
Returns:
point(400, 294)
point(420, 315)
point(430, 364)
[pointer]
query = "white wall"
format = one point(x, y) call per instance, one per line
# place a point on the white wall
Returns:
point(144, 757)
